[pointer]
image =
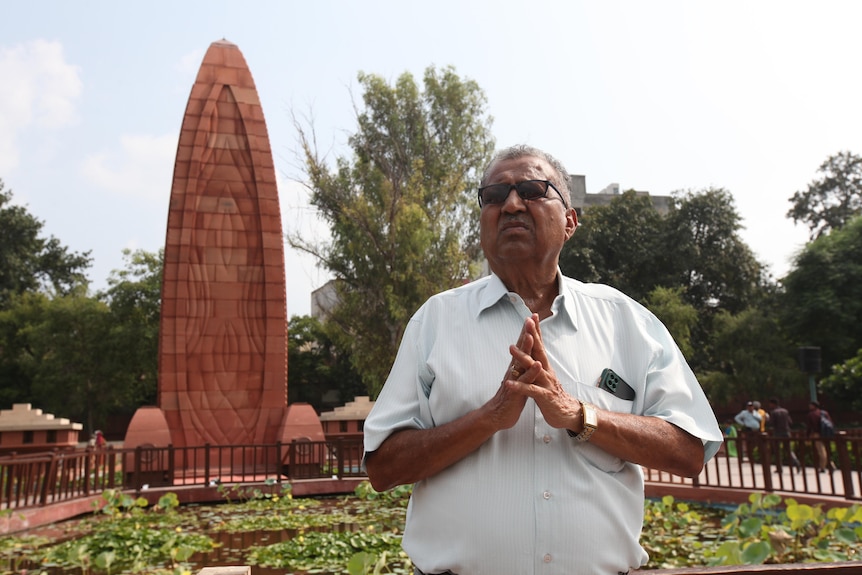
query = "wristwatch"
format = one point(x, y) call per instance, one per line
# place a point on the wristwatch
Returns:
point(591, 423)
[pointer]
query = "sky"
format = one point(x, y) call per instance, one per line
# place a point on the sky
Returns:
point(658, 96)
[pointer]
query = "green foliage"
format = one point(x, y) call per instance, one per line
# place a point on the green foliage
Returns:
point(750, 357)
point(84, 357)
point(258, 510)
point(30, 262)
point(18, 551)
point(763, 532)
point(694, 248)
point(845, 382)
point(361, 534)
point(674, 533)
point(317, 365)
point(134, 298)
point(717, 270)
point(133, 539)
point(833, 200)
point(692, 256)
point(59, 346)
point(679, 317)
point(399, 495)
point(822, 299)
point(619, 244)
point(363, 563)
point(403, 226)
point(332, 551)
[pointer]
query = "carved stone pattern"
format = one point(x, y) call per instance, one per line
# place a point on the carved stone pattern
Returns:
point(223, 339)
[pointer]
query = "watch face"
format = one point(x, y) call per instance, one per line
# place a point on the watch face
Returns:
point(590, 417)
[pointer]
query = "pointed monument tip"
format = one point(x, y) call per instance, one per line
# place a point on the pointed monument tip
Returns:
point(223, 42)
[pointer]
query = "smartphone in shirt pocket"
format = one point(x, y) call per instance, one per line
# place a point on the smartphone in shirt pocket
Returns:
point(611, 382)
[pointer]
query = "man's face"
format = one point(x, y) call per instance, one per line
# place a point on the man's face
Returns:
point(517, 230)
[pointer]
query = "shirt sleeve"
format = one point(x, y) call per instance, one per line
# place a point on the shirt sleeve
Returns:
point(674, 394)
point(403, 401)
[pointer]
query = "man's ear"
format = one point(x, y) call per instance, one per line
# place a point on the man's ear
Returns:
point(571, 222)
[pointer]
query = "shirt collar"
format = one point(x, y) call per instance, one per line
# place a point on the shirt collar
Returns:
point(495, 290)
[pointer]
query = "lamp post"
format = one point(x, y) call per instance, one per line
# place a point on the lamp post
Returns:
point(809, 362)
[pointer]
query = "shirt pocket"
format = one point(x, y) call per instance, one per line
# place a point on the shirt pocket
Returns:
point(603, 400)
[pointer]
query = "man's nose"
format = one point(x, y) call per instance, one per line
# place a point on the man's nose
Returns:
point(513, 202)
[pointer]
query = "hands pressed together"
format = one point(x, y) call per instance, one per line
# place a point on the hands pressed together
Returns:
point(530, 375)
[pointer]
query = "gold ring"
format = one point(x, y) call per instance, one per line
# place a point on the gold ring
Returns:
point(516, 373)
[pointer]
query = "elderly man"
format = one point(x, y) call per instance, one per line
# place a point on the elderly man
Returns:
point(526, 457)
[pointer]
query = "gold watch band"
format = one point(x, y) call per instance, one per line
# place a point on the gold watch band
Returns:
point(591, 423)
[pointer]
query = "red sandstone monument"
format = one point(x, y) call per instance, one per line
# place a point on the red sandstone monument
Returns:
point(223, 333)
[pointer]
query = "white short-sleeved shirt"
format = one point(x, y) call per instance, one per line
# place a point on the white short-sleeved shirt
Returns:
point(531, 500)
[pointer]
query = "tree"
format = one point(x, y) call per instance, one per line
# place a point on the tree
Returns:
point(822, 300)
point(403, 224)
point(85, 357)
point(60, 347)
point(831, 201)
point(696, 247)
point(678, 316)
point(618, 244)
point(316, 366)
point(844, 384)
point(715, 266)
point(30, 262)
point(753, 358)
point(20, 311)
point(134, 298)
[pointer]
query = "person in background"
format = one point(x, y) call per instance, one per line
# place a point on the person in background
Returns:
point(764, 416)
point(100, 440)
point(520, 461)
point(780, 422)
point(749, 423)
point(814, 425)
point(730, 433)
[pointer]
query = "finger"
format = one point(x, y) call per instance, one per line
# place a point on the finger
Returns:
point(525, 344)
point(525, 386)
point(527, 376)
point(515, 370)
point(521, 360)
point(537, 350)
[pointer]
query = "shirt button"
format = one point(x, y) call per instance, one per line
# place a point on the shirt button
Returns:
point(547, 558)
point(547, 495)
point(547, 439)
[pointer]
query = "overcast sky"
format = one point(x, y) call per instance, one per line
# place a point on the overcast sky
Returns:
point(657, 96)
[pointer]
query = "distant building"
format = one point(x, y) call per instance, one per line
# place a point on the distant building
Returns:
point(347, 420)
point(323, 299)
point(27, 430)
point(582, 201)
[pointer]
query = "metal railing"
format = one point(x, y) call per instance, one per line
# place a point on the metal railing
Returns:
point(789, 465)
point(37, 480)
point(42, 479)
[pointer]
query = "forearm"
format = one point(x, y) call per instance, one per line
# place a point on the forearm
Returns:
point(410, 455)
point(649, 441)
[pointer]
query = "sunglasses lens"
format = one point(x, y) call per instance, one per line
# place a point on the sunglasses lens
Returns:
point(529, 190)
point(532, 189)
point(495, 194)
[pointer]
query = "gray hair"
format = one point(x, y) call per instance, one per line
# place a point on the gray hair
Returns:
point(560, 178)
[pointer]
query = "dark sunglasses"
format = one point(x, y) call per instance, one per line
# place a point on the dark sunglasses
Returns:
point(527, 190)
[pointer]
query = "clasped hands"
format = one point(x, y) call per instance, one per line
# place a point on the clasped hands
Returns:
point(530, 375)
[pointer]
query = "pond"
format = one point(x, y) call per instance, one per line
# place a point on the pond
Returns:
point(273, 532)
point(277, 534)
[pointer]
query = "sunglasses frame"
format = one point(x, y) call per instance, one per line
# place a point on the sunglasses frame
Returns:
point(548, 185)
